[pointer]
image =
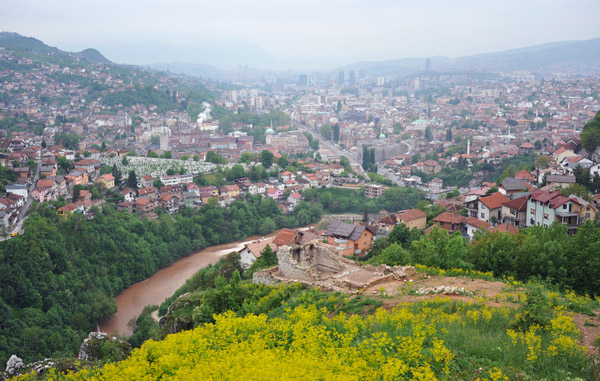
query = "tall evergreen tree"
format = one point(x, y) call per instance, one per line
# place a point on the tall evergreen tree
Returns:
point(132, 180)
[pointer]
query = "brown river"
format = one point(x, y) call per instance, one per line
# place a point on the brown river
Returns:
point(164, 283)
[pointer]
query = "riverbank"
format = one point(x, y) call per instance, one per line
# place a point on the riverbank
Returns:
point(165, 282)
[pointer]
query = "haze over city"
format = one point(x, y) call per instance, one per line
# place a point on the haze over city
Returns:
point(297, 35)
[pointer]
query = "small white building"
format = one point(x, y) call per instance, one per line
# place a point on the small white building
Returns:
point(252, 250)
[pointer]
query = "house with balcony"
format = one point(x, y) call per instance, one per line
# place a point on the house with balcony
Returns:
point(514, 212)
point(487, 208)
point(543, 208)
point(169, 203)
point(144, 205)
point(349, 239)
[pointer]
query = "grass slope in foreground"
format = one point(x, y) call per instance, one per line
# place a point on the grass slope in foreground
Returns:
point(526, 333)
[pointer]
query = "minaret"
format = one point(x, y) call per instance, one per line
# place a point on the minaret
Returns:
point(468, 146)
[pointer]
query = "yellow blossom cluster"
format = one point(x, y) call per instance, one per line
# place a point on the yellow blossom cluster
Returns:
point(307, 344)
point(426, 340)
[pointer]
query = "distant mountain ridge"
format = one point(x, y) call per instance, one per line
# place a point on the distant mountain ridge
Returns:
point(568, 57)
point(15, 41)
point(574, 57)
point(193, 69)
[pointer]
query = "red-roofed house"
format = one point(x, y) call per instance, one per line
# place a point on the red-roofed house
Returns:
point(505, 228)
point(412, 218)
point(545, 207)
point(251, 251)
point(484, 208)
point(450, 221)
point(514, 212)
point(144, 205)
point(525, 176)
point(473, 224)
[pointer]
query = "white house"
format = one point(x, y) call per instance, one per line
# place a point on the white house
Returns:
point(252, 250)
point(261, 188)
point(19, 189)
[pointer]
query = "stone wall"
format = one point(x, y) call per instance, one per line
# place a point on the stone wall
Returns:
point(265, 277)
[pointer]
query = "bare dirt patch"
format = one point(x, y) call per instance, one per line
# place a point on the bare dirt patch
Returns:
point(397, 292)
point(590, 330)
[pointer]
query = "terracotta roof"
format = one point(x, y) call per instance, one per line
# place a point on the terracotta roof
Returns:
point(505, 228)
point(524, 175)
point(45, 183)
point(518, 204)
point(388, 220)
point(494, 200)
point(477, 223)
point(285, 237)
point(449, 217)
point(166, 197)
point(142, 201)
point(69, 207)
point(145, 191)
point(256, 247)
point(410, 214)
point(557, 201)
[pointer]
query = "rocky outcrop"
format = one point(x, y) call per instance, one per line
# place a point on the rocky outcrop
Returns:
point(14, 365)
point(174, 321)
point(98, 344)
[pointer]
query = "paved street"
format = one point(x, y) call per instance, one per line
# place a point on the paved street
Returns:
point(328, 148)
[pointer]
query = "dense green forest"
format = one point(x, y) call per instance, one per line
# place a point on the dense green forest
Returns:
point(340, 200)
point(459, 175)
point(590, 135)
point(546, 255)
point(60, 276)
point(147, 95)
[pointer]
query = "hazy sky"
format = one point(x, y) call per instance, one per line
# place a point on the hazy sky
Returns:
point(315, 32)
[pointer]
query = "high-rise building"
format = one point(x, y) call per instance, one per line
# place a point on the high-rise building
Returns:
point(341, 78)
point(303, 80)
point(351, 78)
point(164, 142)
point(380, 81)
point(428, 64)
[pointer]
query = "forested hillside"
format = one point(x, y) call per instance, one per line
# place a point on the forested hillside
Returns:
point(60, 276)
point(547, 255)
